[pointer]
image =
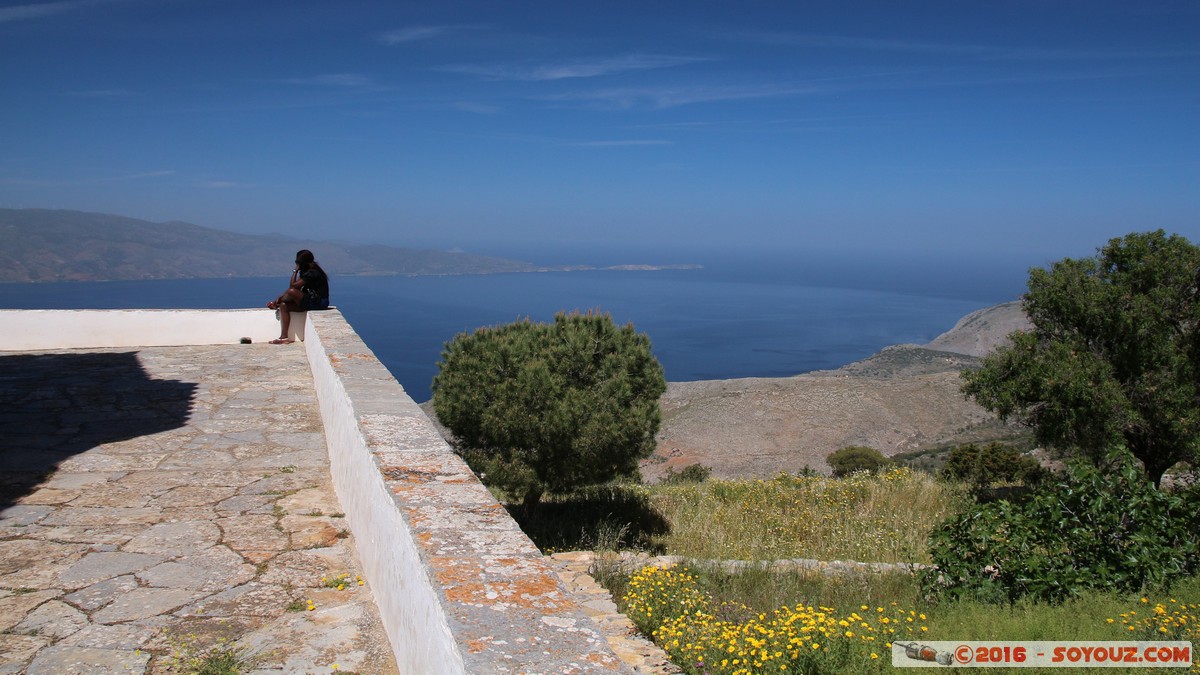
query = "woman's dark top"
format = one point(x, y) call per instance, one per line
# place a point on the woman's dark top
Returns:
point(316, 288)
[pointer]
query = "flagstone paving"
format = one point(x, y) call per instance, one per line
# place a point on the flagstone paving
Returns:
point(158, 503)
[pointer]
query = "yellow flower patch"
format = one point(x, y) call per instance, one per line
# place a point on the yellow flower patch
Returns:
point(668, 605)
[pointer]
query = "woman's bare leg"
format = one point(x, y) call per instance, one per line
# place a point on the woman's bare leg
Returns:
point(285, 321)
point(288, 302)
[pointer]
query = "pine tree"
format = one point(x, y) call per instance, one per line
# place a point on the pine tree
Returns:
point(538, 407)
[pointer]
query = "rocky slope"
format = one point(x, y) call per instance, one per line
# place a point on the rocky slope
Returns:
point(904, 398)
point(979, 332)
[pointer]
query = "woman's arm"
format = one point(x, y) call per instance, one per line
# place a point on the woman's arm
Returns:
point(296, 283)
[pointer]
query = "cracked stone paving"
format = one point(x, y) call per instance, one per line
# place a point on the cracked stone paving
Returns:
point(160, 503)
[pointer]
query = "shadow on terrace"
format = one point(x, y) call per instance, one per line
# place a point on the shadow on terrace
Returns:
point(55, 406)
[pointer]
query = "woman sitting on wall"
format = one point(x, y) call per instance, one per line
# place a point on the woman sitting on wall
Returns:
point(308, 290)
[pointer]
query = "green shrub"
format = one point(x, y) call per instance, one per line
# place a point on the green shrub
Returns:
point(990, 464)
point(538, 407)
point(692, 473)
point(854, 458)
point(1089, 529)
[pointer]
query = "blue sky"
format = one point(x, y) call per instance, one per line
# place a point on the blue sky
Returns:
point(1019, 128)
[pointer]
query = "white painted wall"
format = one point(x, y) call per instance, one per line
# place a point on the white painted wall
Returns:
point(409, 608)
point(32, 329)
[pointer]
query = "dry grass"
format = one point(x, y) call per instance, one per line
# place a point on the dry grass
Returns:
point(869, 518)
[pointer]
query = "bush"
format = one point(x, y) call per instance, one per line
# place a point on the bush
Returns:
point(540, 407)
point(692, 473)
point(854, 458)
point(991, 464)
point(1090, 529)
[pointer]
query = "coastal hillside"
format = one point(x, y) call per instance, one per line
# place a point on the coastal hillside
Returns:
point(54, 245)
point(980, 332)
point(904, 398)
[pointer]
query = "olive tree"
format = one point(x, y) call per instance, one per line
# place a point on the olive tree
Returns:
point(1112, 361)
point(538, 407)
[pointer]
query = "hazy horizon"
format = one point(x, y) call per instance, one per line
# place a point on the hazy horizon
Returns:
point(1020, 130)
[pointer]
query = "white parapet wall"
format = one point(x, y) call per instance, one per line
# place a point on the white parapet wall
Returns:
point(32, 329)
point(460, 588)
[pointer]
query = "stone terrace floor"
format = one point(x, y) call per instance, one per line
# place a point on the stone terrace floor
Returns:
point(157, 502)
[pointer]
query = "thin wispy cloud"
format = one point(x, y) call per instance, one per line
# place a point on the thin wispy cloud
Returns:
point(967, 78)
point(105, 177)
point(100, 93)
point(420, 33)
point(223, 185)
point(144, 175)
point(344, 80)
point(475, 107)
point(1042, 54)
point(1047, 168)
point(29, 182)
point(671, 97)
point(619, 144)
point(865, 43)
point(982, 51)
point(574, 69)
point(774, 125)
point(561, 142)
point(660, 98)
point(46, 9)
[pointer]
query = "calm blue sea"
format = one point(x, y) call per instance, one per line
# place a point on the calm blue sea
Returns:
point(719, 322)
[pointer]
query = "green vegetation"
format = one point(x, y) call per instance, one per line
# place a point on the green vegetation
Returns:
point(221, 657)
point(703, 635)
point(871, 518)
point(1110, 374)
point(617, 516)
point(692, 473)
point(699, 612)
point(762, 587)
point(991, 464)
point(690, 613)
point(1112, 363)
point(865, 517)
point(853, 458)
point(933, 459)
point(1088, 529)
point(698, 616)
point(550, 407)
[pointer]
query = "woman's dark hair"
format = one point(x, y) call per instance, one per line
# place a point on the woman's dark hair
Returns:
point(305, 260)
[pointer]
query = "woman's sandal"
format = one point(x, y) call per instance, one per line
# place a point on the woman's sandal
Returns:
point(282, 341)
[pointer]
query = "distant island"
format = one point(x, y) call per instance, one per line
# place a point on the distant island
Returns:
point(45, 245)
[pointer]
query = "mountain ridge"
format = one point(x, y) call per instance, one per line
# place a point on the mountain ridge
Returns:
point(48, 245)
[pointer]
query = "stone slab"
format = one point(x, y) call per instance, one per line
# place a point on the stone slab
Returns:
point(66, 660)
